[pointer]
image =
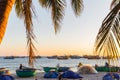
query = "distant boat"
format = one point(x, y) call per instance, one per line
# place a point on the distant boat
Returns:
point(52, 57)
point(91, 57)
point(9, 57)
point(62, 57)
point(75, 57)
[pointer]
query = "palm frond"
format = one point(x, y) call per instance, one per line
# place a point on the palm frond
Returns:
point(5, 9)
point(108, 38)
point(114, 3)
point(19, 8)
point(45, 3)
point(77, 6)
point(26, 12)
point(57, 13)
point(57, 9)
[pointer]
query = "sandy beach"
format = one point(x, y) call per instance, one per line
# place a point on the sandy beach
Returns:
point(39, 76)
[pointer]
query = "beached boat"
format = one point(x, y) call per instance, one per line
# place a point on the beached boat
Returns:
point(47, 69)
point(63, 69)
point(26, 72)
point(107, 69)
point(57, 69)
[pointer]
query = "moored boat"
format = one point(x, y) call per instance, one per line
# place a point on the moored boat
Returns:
point(9, 57)
point(63, 69)
point(107, 69)
point(62, 57)
point(57, 69)
point(47, 69)
point(26, 72)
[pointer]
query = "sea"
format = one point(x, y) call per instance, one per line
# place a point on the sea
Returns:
point(13, 64)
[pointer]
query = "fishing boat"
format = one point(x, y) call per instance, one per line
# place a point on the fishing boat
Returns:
point(75, 57)
point(26, 72)
point(52, 57)
point(9, 57)
point(107, 69)
point(47, 69)
point(57, 69)
point(62, 57)
point(63, 69)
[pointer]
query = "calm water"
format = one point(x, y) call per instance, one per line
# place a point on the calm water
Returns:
point(13, 64)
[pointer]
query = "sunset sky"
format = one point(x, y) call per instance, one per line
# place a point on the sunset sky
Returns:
point(76, 36)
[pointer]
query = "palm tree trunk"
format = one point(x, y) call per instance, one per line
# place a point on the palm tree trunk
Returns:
point(5, 9)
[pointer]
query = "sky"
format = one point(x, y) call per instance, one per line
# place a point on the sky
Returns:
point(76, 36)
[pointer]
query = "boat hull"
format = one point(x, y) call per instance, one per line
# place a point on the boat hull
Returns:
point(47, 69)
point(107, 69)
point(60, 69)
point(26, 72)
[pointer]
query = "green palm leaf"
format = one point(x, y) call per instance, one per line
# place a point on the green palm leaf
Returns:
point(108, 39)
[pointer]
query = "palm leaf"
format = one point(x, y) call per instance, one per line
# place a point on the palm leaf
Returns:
point(108, 38)
point(57, 13)
point(114, 3)
point(45, 3)
point(19, 8)
point(77, 6)
point(27, 11)
point(24, 9)
point(57, 9)
point(5, 9)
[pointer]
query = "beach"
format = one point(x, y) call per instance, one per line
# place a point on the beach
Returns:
point(39, 76)
point(13, 64)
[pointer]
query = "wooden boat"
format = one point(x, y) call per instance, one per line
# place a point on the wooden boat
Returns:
point(107, 69)
point(63, 69)
point(75, 57)
point(62, 57)
point(57, 69)
point(26, 72)
point(9, 57)
point(47, 69)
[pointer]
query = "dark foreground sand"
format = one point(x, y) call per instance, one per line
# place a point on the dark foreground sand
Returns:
point(39, 76)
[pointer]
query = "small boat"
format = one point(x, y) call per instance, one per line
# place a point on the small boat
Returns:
point(75, 57)
point(47, 69)
point(52, 57)
point(9, 57)
point(26, 72)
point(62, 57)
point(63, 69)
point(57, 69)
point(107, 69)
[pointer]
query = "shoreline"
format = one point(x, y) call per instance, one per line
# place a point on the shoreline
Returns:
point(39, 76)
